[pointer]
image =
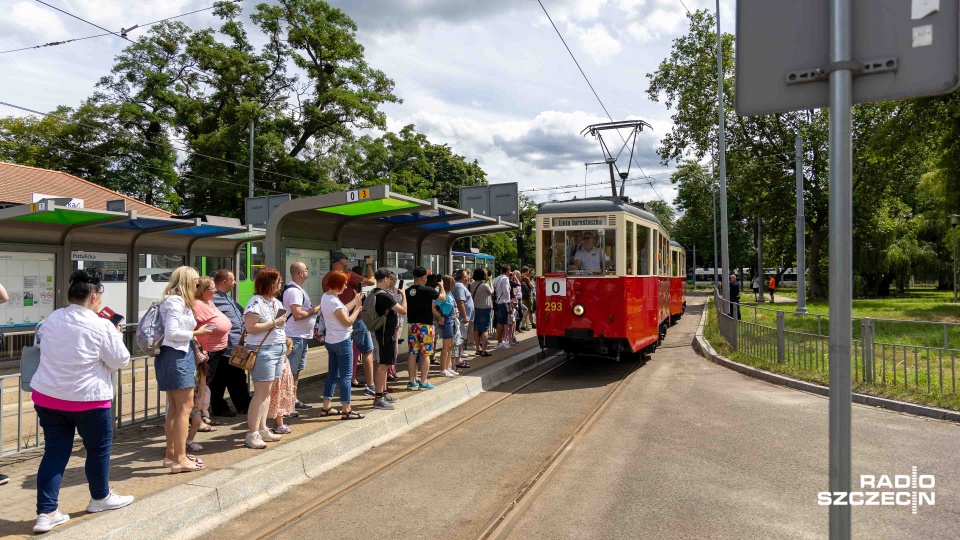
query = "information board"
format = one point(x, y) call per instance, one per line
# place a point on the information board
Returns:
point(29, 280)
point(318, 264)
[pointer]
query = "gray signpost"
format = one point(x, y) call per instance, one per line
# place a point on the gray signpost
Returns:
point(794, 55)
point(494, 200)
point(257, 210)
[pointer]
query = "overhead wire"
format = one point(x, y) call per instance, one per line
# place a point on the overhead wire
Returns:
point(175, 147)
point(587, 79)
point(108, 32)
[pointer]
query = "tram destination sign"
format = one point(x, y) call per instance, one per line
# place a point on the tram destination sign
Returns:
point(580, 222)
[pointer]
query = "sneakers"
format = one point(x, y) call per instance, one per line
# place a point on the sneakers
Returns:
point(392, 379)
point(281, 430)
point(426, 386)
point(449, 373)
point(269, 436)
point(253, 440)
point(383, 404)
point(369, 391)
point(301, 406)
point(413, 386)
point(4, 479)
point(390, 399)
point(110, 502)
point(45, 523)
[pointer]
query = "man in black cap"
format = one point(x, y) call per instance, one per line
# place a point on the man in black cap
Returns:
point(362, 340)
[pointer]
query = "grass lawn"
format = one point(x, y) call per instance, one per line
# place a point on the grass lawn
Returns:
point(902, 373)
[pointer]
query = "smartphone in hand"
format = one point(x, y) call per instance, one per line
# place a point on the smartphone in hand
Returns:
point(281, 312)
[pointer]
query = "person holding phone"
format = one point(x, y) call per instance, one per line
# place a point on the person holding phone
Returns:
point(339, 318)
point(299, 328)
point(264, 321)
point(360, 336)
point(214, 344)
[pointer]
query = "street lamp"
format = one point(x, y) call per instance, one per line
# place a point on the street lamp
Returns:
point(954, 220)
point(410, 159)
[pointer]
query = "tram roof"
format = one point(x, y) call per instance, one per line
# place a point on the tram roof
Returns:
point(676, 244)
point(597, 205)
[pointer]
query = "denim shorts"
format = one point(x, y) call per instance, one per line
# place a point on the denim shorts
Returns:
point(174, 369)
point(298, 357)
point(269, 364)
point(503, 314)
point(482, 321)
point(361, 337)
point(449, 328)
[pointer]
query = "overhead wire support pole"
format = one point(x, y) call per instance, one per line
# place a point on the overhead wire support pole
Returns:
point(251, 160)
point(801, 234)
point(724, 240)
point(841, 263)
point(713, 208)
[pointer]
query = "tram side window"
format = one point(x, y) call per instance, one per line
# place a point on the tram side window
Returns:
point(630, 257)
point(643, 251)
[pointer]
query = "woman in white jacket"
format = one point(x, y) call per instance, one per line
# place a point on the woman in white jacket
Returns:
point(72, 390)
point(175, 365)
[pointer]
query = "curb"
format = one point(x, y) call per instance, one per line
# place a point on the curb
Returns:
point(704, 349)
point(228, 492)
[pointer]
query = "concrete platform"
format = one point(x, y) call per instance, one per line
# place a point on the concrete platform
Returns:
point(236, 477)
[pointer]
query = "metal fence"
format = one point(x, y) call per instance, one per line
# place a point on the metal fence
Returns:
point(137, 398)
point(896, 354)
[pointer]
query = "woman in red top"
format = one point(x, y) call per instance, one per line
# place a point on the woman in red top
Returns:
point(214, 344)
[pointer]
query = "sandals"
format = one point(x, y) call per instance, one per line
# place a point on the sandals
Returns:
point(204, 428)
point(358, 385)
point(486, 353)
point(197, 466)
point(352, 415)
point(328, 412)
point(194, 447)
point(167, 463)
point(463, 365)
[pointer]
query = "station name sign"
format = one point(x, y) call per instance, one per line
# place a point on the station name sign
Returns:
point(580, 222)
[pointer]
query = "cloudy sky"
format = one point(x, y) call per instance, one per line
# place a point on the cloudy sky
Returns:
point(488, 77)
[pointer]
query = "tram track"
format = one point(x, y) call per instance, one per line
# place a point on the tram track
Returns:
point(501, 521)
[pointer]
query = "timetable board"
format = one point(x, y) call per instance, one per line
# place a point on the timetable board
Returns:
point(29, 280)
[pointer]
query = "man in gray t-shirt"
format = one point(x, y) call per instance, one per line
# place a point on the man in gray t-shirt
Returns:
point(464, 302)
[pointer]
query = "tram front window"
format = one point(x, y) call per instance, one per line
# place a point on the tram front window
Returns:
point(582, 252)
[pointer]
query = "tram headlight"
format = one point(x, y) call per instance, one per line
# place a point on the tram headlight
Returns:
point(578, 310)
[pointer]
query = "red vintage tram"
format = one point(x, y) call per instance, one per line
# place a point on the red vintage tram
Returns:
point(678, 281)
point(607, 273)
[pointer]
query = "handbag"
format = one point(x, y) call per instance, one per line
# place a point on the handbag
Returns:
point(30, 360)
point(242, 357)
point(199, 355)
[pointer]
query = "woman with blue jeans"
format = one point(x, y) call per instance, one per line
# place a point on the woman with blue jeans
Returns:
point(448, 328)
point(339, 319)
point(265, 333)
point(72, 390)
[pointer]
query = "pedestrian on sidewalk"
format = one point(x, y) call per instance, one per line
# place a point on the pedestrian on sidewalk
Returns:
point(360, 336)
point(223, 376)
point(526, 296)
point(773, 287)
point(209, 317)
point(396, 292)
point(501, 299)
point(283, 397)
point(387, 335)
point(482, 294)
point(755, 285)
point(734, 296)
point(303, 315)
point(448, 328)
point(340, 319)
point(72, 390)
point(420, 333)
point(265, 331)
point(4, 298)
point(465, 309)
point(175, 365)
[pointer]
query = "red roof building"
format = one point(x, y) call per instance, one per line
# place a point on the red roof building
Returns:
point(18, 182)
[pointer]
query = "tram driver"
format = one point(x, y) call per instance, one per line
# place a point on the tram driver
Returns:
point(589, 258)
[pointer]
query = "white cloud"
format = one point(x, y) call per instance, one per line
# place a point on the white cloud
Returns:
point(596, 42)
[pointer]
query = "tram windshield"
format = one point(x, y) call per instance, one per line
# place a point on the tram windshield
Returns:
point(580, 252)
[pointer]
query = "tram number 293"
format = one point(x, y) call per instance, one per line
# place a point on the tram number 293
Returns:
point(553, 306)
point(556, 286)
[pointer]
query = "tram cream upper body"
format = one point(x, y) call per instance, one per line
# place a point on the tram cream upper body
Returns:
point(628, 246)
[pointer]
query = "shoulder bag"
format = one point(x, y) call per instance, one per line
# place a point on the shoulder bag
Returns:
point(242, 356)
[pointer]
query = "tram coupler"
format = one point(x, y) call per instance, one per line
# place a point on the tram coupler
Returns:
point(603, 346)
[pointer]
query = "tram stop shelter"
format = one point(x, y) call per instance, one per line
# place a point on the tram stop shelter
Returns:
point(41, 243)
point(396, 230)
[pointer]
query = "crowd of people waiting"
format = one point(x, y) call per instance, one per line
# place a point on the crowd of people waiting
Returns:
point(202, 324)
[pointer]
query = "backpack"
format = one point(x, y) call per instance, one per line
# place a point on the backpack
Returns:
point(320, 329)
point(369, 315)
point(150, 330)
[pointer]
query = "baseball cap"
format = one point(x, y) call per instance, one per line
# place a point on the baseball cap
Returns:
point(587, 234)
point(337, 256)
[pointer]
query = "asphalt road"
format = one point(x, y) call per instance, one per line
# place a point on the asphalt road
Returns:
point(686, 450)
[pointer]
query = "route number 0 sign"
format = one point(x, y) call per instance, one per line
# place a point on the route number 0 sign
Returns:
point(556, 286)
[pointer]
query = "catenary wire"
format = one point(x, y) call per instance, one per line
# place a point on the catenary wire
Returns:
point(587, 79)
point(175, 147)
point(108, 33)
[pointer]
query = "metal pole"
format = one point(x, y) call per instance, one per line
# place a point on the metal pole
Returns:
point(250, 185)
point(954, 264)
point(713, 194)
point(841, 267)
point(760, 259)
point(695, 265)
point(801, 238)
point(724, 248)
